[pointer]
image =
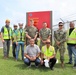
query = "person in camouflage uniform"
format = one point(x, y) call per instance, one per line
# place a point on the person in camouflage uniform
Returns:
point(31, 32)
point(44, 34)
point(60, 38)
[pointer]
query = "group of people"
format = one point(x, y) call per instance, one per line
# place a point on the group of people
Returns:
point(45, 52)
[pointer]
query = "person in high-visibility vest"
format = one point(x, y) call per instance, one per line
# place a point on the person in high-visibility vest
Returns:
point(20, 41)
point(71, 43)
point(6, 32)
point(48, 52)
point(14, 40)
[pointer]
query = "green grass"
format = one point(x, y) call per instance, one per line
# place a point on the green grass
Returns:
point(12, 67)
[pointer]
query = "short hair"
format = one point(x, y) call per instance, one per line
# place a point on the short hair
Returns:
point(45, 22)
point(31, 20)
point(48, 40)
point(31, 40)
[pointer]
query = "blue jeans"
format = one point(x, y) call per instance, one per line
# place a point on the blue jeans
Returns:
point(28, 62)
point(18, 49)
point(72, 50)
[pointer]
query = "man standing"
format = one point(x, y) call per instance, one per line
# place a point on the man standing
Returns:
point(71, 43)
point(14, 40)
point(60, 38)
point(44, 34)
point(6, 32)
point(48, 53)
point(32, 54)
point(20, 41)
point(31, 32)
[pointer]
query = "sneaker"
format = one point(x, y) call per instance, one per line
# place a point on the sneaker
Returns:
point(69, 63)
point(29, 66)
point(62, 65)
point(5, 57)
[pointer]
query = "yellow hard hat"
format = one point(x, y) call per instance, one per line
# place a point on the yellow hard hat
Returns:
point(7, 21)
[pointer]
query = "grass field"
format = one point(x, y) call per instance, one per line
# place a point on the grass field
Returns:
point(12, 67)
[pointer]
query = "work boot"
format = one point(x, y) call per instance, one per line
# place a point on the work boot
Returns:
point(5, 57)
point(62, 65)
point(52, 68)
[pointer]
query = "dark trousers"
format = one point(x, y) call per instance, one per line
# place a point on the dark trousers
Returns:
point(14, 49)
point(51, 62)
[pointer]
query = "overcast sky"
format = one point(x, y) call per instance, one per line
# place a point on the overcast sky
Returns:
point(15, 10)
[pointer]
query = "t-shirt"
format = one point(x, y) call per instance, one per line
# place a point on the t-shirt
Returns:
point(2, 30)
point(15, 31)
point(32, 50)
point(8, 28)
point(70, 30)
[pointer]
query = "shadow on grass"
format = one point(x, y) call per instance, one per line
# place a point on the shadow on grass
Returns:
point(25, 67)
point(65, 66)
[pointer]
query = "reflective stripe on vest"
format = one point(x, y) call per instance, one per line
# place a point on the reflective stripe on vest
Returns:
point(72, 37)
point(6, 34)
point(46, 52)
point(14, 36)
point(21, 36)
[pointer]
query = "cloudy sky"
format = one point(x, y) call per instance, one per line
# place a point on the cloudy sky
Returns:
point(15, 10)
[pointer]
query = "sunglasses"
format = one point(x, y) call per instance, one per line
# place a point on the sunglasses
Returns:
point(60, 25)
point(47, 42)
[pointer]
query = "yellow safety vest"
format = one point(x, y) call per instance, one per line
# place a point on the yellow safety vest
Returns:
point(21, 36)
point(14, 36)
point(72, 37)
point(48, 52)
point(6, 34)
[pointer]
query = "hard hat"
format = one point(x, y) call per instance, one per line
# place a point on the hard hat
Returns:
point(7, 21)
point(15, 25)
point(60, 24)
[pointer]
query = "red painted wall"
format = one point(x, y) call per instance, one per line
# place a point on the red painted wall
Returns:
point(39, 18)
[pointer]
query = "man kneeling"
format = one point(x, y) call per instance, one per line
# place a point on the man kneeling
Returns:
point(48, 53)
point(32, 54)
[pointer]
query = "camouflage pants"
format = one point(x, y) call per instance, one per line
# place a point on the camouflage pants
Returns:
point(61, 51)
